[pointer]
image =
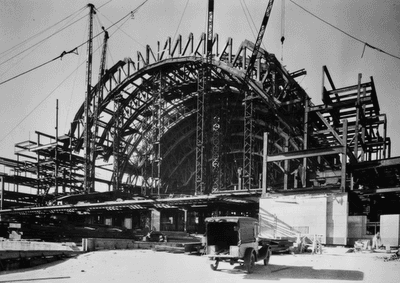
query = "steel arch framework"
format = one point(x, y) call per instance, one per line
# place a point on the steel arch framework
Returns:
point(147, 115)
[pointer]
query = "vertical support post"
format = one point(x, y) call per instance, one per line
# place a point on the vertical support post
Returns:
point(344, 157)
point(116, 142)
point(286, 165)
point(265, 163)
point(305, 142)
point(323, 84)
point(160, 125)
point(185, 217)
point(363, 132)
point(200, 181)
point(56, 153)
point(248, 141)
point(384, 135)
point(2, 194)
point(158, 130)
point(64, 178)
point(70, 158)
point(38, 167)
point(356, 130)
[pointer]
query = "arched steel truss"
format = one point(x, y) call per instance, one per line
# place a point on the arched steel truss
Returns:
point(147, 115)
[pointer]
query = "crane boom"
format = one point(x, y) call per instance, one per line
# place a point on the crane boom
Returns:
point(247, 173)
point(257, 45)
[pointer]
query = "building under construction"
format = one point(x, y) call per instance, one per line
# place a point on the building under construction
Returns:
point(199, 127)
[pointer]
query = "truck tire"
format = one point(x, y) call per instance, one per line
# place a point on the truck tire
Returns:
point(249, 260)
point(214, 265)
point(266, 259)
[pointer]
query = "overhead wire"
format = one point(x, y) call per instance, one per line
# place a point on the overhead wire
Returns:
point(124, 31)
point(104, 4)
point(118, 29)
point(74, 49)
point(42, 40)
point(247, 19)
point(45, 98)
point(34, 48)
point(251, 18)
point(37, 34)
point(180, 21)
point(283, 15)
point(366, 44)
point(130, 13)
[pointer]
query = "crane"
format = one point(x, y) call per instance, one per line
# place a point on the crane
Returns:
point(96, 102)
point(202, 105)
point(248, 104)
point(88, 166)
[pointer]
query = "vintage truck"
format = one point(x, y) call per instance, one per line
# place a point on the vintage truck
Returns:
point(234, 239)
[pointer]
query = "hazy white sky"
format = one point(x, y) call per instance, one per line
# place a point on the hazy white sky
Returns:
point(28, 102)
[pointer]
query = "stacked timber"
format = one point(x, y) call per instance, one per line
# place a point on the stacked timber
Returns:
point(20, 252)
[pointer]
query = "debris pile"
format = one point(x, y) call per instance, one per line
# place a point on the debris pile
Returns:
point(395, 256)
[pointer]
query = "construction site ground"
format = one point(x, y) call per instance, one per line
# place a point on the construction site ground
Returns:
point(333, 265)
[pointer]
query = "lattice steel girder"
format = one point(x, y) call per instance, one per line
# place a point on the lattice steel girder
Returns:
point(305, 153)
point(181, 73)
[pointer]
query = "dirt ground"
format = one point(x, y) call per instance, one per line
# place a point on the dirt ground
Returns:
point(334, 265)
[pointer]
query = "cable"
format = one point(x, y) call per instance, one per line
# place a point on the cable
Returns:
point(130, 13)
point(247, 8)
point(72, 50)
point(104, 4)
point(124, 31)
point(42, 40)
point(41, 65)
point(33, 36)
point(248, 22)
point(39, 104)
point(282, 26)
point(183, 13)
point(353, 37)
point(45, 98)
point(33, 48)
point(255, 28)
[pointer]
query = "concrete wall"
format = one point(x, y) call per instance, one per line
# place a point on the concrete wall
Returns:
point(155, 219)
point(322, 214)
point(390, 229)
point(337, 219)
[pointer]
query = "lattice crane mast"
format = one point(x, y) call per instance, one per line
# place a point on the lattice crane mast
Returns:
point(87, 184)
point(96, 102)
point(202, 103)
point(248, 104)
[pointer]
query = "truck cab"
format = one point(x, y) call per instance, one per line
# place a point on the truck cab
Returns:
point(235, 240)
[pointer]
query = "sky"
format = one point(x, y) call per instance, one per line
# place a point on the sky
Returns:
point(28, 39)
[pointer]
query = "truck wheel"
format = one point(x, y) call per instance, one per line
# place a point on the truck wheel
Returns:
point(214, 266)
point(266, 260)
point(249, 260)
